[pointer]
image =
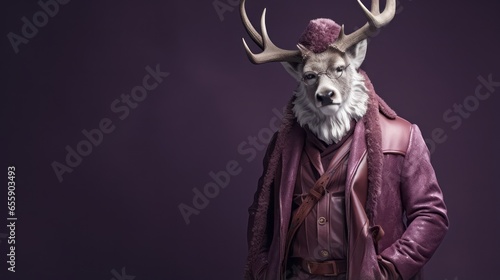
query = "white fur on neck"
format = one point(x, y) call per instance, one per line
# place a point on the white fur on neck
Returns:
point(331, 129)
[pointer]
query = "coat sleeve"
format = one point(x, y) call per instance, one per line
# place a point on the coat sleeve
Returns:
point(257, 264)
point(425, 211)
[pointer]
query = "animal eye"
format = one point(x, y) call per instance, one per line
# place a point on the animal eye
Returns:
point(340, 69)
point(310, 76)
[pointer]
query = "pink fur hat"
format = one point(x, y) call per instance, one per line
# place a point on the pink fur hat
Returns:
point(319, 34)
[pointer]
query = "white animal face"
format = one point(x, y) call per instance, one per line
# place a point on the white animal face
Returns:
point(327, 80)
point(331, 92)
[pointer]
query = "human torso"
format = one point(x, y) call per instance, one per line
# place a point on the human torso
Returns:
point(322, 236)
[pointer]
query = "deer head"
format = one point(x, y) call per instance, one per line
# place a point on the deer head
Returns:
point(331, 91)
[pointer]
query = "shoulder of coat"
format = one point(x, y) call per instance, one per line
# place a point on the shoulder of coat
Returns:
point(395, 134)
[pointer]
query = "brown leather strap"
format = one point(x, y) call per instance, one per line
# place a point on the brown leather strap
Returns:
point(327, 268)
point(314, 195)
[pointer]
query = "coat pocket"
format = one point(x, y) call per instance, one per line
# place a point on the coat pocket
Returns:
point(377, 232)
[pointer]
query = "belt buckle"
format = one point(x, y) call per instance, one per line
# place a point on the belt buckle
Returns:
point(308, 265)
point(332, 263)
point(335, 270)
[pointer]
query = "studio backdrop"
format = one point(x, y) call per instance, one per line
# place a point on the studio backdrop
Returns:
point(133, 132)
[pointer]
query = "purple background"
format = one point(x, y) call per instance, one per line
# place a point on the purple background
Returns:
point(119, 207)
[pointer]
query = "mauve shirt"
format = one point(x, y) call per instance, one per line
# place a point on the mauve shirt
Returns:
point(323, 234)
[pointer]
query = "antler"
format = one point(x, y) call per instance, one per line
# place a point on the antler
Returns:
point(375, 21)
point(270, 53)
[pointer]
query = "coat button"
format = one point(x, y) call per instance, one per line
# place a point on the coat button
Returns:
point(324, 253)
point(322, 220)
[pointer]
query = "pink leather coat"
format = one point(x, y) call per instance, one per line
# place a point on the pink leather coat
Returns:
point(410, 209)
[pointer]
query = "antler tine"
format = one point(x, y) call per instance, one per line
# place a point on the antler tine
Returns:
point(249, 27)
point(271, 53)
point(375, 21)
point(378, 20)
point(375, 7)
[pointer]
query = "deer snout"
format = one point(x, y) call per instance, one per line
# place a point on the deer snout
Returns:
point(326, 98)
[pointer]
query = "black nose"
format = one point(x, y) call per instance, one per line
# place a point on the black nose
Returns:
point(325, 98)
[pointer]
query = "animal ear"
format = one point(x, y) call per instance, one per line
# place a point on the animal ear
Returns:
point(294, 69)
point(358, 53)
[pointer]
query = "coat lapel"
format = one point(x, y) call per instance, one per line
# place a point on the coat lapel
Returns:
point(356, 155)
point(290, 165)
point(362, 262)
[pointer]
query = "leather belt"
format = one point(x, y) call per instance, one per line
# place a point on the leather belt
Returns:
point(326, 268)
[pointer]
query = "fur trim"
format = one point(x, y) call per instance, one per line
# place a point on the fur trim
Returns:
point(373, 136)
point(382, 106)
point(265, 196)
point(374, 145)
